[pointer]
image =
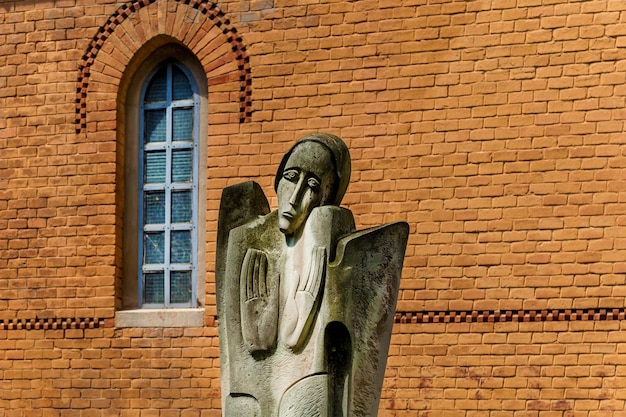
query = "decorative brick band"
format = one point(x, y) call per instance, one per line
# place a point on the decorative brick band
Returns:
point(124, 12)
point(510, 316)
point(51, 324)
point(401, 317)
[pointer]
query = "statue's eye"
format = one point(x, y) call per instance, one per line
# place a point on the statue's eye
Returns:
point(313, 184)
point(290, 175)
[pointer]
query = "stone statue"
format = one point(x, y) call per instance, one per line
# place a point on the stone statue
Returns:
point(305, 302)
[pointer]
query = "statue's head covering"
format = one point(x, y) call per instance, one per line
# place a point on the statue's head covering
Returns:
point(341, 157)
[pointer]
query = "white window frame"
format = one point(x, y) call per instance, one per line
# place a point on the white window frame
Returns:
point(169, 146)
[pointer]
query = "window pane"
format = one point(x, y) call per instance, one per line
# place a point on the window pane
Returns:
point(158, 86)
point(181, 247)
point(153, 291)
point(155, 167)
point(181, 165)
point(169, 198)
point(155, 207)
point(156, 126)
point(180, 291)
point(183, 125)
point(154, 248)
point(181, 207)
point(182, 89)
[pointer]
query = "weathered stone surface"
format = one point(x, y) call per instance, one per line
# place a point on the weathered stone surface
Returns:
point(305, 301)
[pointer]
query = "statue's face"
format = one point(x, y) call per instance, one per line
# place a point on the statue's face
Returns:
point(306, 183)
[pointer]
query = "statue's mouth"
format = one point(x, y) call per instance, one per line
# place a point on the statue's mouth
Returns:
point(288, 215)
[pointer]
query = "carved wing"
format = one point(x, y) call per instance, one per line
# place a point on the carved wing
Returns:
point(240, 203)
point(363, 282)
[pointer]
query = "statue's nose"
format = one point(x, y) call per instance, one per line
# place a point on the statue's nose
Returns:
point(297, 192)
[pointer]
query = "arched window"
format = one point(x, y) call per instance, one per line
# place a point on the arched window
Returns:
point(162, 133)
point(168, 188)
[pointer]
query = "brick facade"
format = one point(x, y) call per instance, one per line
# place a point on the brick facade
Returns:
point(493, 127)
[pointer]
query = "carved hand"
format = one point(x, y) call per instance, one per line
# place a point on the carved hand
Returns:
point(307, 297)
point(259, 314)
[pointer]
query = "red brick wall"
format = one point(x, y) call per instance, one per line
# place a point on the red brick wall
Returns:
point(495, 128)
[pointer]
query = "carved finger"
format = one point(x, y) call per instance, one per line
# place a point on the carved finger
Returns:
point(303, 279)
point(313, 276)
point(255, 275)
point(263, 275)
point(313, 271)
point(246, 273)
point(320, 270)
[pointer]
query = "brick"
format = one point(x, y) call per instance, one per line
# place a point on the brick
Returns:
point(492, 127)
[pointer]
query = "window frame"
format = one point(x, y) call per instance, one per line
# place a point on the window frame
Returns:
point(167, 267)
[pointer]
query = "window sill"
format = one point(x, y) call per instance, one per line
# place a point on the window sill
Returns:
point(179, 317)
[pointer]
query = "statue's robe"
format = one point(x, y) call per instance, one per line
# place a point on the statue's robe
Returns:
point(332, 363)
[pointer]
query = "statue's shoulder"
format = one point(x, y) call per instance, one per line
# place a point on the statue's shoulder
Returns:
point(389, 239)
point(337, 213)
point(240, 204)
point(260, 229)
point(326, 225)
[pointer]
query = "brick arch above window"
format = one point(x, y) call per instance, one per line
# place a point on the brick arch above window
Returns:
point(197, 24)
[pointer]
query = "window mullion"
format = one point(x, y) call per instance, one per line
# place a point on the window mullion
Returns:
point(168, 187)
point(140, 215)
point(194, 199)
